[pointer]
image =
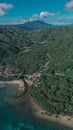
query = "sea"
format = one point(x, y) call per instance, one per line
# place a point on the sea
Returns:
point(21, 117)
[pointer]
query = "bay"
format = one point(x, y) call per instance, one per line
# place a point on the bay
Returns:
point(22, 117)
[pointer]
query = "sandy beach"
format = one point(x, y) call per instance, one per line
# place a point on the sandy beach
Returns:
point(19, 83)
point(37, 110)
point(41, 113)
point(14, 90)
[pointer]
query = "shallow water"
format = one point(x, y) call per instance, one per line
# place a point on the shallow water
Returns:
point(13, 119)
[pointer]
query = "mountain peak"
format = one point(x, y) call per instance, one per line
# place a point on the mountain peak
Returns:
point(38, 24)
point(33, 25)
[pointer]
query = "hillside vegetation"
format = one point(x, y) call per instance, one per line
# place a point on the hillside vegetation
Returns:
point(32, 50)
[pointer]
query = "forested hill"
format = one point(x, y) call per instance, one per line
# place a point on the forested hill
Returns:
point(50, 50)
point(30, 49)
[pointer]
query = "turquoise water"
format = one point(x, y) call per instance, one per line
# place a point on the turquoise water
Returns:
point(22, 119)
point(5, 117)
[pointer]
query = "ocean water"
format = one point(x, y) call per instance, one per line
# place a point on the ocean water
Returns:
point(22, 119)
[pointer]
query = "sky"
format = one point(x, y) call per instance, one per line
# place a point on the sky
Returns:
point(57, 12)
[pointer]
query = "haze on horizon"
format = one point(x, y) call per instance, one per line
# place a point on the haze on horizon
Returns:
point(53, 11)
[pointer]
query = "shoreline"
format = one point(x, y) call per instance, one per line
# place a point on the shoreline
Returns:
point(37, 109)
point(60, 119)
point(17, 88)
point(19, 84)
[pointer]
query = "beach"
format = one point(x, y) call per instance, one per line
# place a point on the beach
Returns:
point(14, 89)
point(41, 113)
point(22, 97)
point(19, 84)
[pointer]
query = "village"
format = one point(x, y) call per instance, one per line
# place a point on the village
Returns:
point(7, 71)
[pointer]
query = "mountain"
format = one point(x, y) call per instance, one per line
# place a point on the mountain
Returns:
point(34, 25)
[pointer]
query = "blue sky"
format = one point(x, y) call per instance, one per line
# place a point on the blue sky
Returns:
point(58, 12)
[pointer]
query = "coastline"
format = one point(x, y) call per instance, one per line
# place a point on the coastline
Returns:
point(37, 109)
point(14, 91)
point(41, 113)
point(19, 84)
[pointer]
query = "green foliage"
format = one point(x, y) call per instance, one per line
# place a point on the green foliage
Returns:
point(23, 49)
point(30, 49)
point(55, 95)
point(69, 73)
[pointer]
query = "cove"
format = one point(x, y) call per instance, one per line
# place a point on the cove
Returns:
point(21, 117)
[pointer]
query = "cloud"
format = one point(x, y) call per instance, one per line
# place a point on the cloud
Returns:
point(63, 21)
point(55, 21)
point(42, 15)
point(48, 14)
point(4, 8)
point(33, 17)
point(22, 19)
point(69, 6)
point(17, 21)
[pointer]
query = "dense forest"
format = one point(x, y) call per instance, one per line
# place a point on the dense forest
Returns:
point(32, 50)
